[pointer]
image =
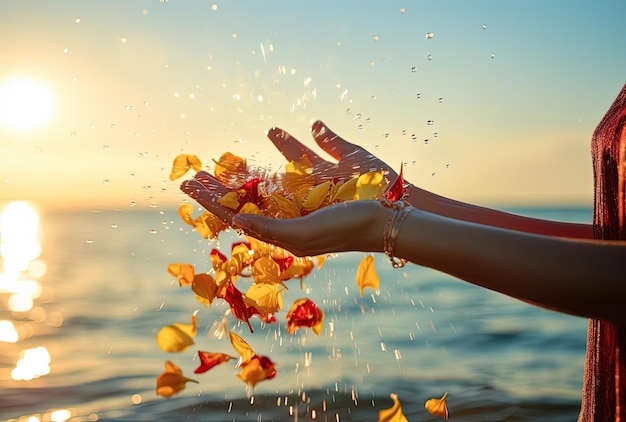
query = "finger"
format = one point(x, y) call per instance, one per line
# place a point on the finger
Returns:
point(206, 193)
point(279, 232)
point(290, 147)
point(329, 141)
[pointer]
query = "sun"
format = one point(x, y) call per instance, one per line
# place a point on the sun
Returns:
point(25, 104)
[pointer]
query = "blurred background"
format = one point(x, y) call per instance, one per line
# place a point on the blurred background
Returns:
point(489, 102)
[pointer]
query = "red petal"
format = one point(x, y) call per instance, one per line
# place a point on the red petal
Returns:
point(397, 189)
point(237, 306)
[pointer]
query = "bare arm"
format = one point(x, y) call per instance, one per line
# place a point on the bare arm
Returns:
point(579, 277)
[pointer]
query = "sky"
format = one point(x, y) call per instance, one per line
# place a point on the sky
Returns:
point(491, 102)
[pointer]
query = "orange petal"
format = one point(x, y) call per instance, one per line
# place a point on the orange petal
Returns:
point(176, 337)
point(266, 270)
point(257, 369)
point(437, 407)
point(227, 167)
point(370, 185)
point(183, 272)
point(241, 347)
point(366, 274)
point(171, 381)
point(394, 413)
point(209, 225)
point(205, 288)
point(179, 167)
point(281, 207)
point(194, 162)
point(185, 211)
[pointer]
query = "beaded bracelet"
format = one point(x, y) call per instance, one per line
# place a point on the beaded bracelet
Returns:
point(399, 211)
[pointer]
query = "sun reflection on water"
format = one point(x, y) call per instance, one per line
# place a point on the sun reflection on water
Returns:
point(20, 269)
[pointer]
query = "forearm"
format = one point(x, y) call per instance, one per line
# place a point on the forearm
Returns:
point(446, 207)
point(585, 278)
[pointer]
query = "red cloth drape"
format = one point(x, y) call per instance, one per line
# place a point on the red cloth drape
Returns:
point(604, 384)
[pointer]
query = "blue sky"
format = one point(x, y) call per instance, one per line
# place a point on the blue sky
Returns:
point(513, 91)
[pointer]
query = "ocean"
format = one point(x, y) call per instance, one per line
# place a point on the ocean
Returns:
point(78, 328)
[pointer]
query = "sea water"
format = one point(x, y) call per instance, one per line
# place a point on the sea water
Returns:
point(104, 293)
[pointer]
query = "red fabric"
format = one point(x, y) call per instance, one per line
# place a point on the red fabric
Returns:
point(604, 385)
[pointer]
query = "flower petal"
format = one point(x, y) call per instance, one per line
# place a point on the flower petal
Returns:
point(182, 163)
point(205, 288)
point(257, 369)
point(241, 347)
point(394, 413)
point(304, 313)
point(209, 360)
point(366, 274)
point(370, 185)
point(171, 381)
point(316, 196)
point(183, 272)
point(438, 407)
point(177, 337)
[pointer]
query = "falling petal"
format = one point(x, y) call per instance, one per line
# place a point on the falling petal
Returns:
point(304, 313)
point(266, 298)
point(366, 275)
point(397, 189)
point(185, 212)
point(394, 413)
point(438, 407)
point(177, 337)
point(205, 288)
point(209, 225)
point(171, 381)
point(182, 163)
point(266, 270)
point(241, 347)
point(183, 272)
point(209, 360)
point(230, 200)
point(257, 369)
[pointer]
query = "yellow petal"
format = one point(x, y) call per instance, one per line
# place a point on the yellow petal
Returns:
point(179, 167)
point(266, 298)
point(230, 200)
point(176, 337)
point(316, 196)
point(394, 413)
point(250, 208)
point(171, 381)
point(370, 185)
point(241, 347)
point(346, 191)
point(366, 274)
point(183, 272)
point(281, 207)
point(437, 407)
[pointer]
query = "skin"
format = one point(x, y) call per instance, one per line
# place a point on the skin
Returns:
point(553, 265)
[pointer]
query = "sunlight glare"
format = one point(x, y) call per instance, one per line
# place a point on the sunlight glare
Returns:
point(25, 104)
point(33, 364)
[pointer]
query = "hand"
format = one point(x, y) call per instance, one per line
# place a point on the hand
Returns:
point(348, 226)
point(351, 160)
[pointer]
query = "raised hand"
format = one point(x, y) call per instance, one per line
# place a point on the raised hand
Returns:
point(351, 159)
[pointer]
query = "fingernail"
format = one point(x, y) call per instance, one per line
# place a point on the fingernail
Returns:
point(317, 128)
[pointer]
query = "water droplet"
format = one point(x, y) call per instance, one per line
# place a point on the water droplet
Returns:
point(430, 122)
point(89, 241)
point(106, 182)
point(418, 96)
point(372, 64)
point(376, 146)
point(375, 37)
point(493, 56)
point(484, 26)
point(386, 135)
point(123, 40)
point(413, 69)
point(440, 100)
point(360, 127)
point(192, 96)
point(397, 354)
point(429, 57)
point(73, 134)
point(234, 35)
point(435, 134)
point(106, 148)
point(404, 131)
point(214, 7)
point(114, 226)
point(66, 50)
point(429, 35)
point(129, 107)
point(132, 204)
point(153, 231)
point(426, 141)
point(402, 10)
point(77, 20)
